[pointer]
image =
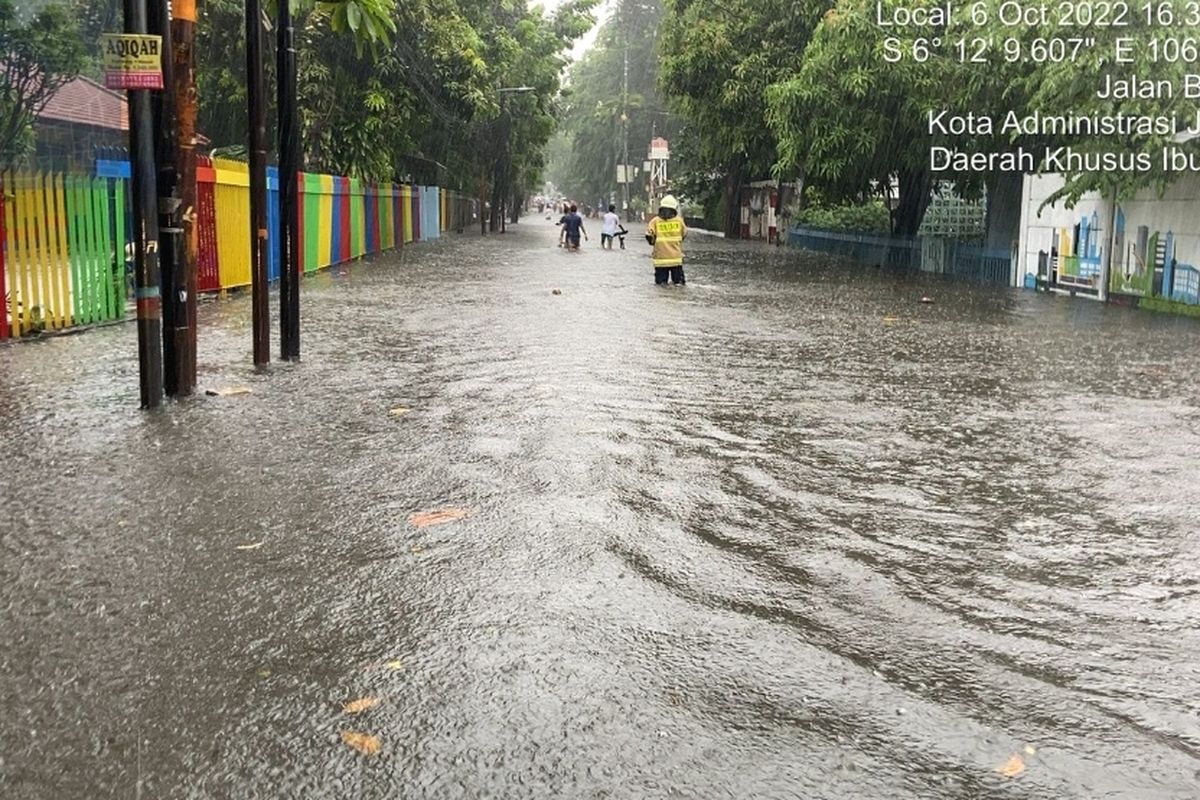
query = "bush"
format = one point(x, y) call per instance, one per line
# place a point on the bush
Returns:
point(869, 217)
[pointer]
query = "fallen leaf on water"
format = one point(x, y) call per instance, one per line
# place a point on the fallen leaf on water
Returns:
point(253, 546)
point(227, 391)
point(437, 517)
point(360, 705)
point(416, 548)
point(890, 320)
point(264, 673)
point(1013, 767)
point(395, 664)
point(1030, 750)
point(397, 411)
point(364, 743)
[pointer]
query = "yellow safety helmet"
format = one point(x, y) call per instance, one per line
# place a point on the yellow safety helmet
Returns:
point(669, 202)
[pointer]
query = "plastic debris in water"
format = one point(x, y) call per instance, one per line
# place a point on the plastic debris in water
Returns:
point(364, 743)
point(360, 705)
point(438, 517)
point(1013, 767)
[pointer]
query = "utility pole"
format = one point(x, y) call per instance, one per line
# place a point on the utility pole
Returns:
point(289, 168)
point(625, 134)
point(145, 228)
point(260, 312)
point(183, 56)
point(174, 280)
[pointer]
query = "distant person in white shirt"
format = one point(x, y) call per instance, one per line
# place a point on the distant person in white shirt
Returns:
point(611, 229)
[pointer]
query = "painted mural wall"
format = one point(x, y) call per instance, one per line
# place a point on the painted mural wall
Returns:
point(1156, 247)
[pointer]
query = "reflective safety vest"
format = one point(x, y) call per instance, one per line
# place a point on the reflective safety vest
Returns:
point(668, 236)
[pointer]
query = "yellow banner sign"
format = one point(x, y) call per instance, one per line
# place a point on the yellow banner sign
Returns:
point(131, 60)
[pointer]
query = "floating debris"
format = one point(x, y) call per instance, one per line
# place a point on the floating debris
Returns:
point(360, 705)
point(1013, 767)
point(438, 517)
point(364, 743)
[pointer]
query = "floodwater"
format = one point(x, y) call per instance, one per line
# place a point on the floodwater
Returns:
point(783, 533)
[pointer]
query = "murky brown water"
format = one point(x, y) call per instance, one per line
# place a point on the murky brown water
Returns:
point(784, 533)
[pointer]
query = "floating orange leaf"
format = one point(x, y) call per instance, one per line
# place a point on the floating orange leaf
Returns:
point(364, 743)
point(397, 411)
point(395, 664)
point(438, 517)
point(1013, 767)
point(360, 705)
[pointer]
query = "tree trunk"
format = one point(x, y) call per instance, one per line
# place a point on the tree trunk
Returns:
point(1003, 209)
point(733, 201)
point(915, 193)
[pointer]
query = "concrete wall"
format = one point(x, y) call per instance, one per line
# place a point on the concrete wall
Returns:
point(1157, 244)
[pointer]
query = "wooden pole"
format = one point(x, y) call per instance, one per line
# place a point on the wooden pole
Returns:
point(174, 279)
point(145, 228)
point(183, 56)
point(260, 311)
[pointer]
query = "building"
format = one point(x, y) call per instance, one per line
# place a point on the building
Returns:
point(79, 117)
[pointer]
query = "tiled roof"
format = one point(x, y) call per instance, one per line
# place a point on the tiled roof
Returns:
point(84, 102)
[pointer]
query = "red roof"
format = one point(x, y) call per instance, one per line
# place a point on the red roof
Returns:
point(82, 101)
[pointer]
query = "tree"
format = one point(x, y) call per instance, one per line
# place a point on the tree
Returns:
point(419, 100)
point(612, 96)
point(1044, 84)
point(39, 56)
point(852, 121)
point(718, 59)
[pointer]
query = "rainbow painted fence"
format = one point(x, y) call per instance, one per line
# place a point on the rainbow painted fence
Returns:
point(65, 237)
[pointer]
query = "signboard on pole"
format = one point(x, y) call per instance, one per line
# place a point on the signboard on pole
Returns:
point(626, 173)
point(658, 149)
point(131, 60)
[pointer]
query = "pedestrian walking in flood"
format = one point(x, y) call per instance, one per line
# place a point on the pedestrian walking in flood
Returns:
point(573, 227)
point(562, 223)
point(608, 229)
point(666, 233)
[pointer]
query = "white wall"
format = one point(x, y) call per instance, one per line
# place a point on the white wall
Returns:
point(1176, 213)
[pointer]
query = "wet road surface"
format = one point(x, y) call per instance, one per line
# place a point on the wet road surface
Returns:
point(783, 533)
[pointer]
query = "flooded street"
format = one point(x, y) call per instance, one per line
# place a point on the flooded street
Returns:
point(785, 532)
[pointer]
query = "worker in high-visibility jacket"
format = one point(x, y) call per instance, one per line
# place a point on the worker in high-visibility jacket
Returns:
point(666, 233)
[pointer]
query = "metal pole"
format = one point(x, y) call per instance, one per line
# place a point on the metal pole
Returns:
point(625, 134)
point(183, 49)
point(145, 228)
point(261, 313)
point(289, 169)
point(171, 267)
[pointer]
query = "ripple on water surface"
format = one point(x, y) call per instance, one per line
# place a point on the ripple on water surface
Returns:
point(784, 532)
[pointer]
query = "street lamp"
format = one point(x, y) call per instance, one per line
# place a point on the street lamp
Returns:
point(500, 191)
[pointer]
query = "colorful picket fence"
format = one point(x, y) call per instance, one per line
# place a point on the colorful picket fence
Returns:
point(64, 251)
point(64, 237)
